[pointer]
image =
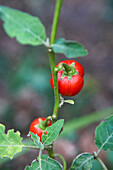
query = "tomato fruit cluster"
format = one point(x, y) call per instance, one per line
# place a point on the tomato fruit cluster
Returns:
point(69, 83)
point(35, 127)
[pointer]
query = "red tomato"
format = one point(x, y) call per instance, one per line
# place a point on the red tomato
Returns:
point(69, 87)
point(38, 130)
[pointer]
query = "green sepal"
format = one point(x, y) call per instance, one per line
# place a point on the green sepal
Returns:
point(68, 71)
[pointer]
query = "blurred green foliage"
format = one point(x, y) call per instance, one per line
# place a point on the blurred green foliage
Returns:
point(107, 12)
point(30, 72)
point(109, 157)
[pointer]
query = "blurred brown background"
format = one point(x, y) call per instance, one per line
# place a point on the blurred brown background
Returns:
point(25, 91)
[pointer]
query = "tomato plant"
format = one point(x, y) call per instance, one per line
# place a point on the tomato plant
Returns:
point(66, 80)
point(70, 80)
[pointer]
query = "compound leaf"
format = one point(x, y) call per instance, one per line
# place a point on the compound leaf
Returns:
point(26, 28)
point(10, 143)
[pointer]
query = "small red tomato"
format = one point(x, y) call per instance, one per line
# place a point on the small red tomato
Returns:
point(34, 127)
point(69, 86)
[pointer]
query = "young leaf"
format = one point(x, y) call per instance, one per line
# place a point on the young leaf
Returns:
point(71, 49)
point(10, 143)
point(36, 140)
point(26, 28)
point(46, 164)
point(83, 162)
point(104, 134)
point(53, 132)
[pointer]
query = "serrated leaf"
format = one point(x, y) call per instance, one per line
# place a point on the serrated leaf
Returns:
point(83, 162)
point(53, 132)
point(26, 28)
point(71, 49)
point(36, 140)
point(104, 134)
point(10, 143)
point(47, 163)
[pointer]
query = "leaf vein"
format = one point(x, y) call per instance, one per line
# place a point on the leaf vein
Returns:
point(86, 161)
point(26, 29)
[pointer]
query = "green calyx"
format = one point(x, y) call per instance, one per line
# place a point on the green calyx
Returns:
point(43, 124)
point(68, 70)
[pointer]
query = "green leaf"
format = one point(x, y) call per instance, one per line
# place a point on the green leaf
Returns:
point(36, 140)
point(26, 28)
point(53, 132)
point(10, 143)
point(69, 101)
point(104, 134)
point(46, 164)
point(83, 162)
point(71, 49)
point(96, 165)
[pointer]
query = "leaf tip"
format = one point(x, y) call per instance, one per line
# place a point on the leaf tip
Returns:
point(86, 51)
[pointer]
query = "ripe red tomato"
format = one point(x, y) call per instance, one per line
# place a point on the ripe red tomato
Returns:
point(67, 86)
point(37, 130)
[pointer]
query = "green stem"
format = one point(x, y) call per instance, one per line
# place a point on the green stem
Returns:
point(40, 153)
point(53, 65)
point(56, 94)
point(56, 20)
point(52, 56)
point(63, 160)
point(50, 152)
point(102, 163)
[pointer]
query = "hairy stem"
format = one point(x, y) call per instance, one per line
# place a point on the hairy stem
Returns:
point(52, 56)
point(56, 94)
point(40, 153)
point(53, 65)
point(56, 20)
